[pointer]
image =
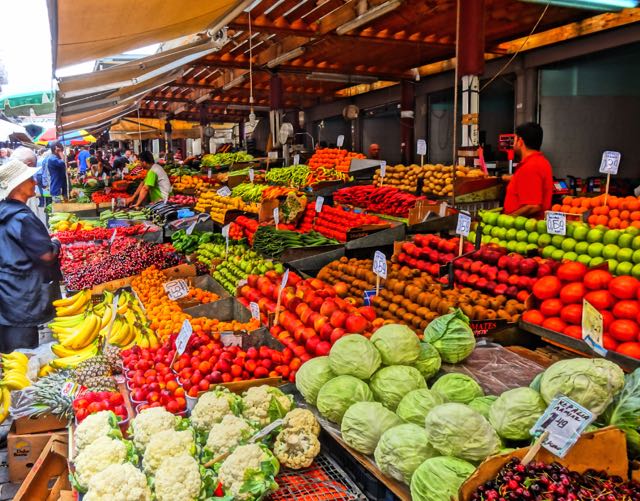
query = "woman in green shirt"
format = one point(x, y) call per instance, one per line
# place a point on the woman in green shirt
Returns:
point(156, 185)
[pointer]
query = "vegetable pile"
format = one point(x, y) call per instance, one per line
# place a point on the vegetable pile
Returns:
point(382, 200)
point(271, 242)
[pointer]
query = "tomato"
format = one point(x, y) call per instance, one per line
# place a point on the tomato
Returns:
point(116, 399)
point(551, 307)
point(629, 349)
point(94, 407)
point(571, 271)
point(533, 317)
point(626, 309)
point(608, 342)
point(600, 300)
point(597, 279)
point(81, 414)
point(554, 324)
point(121, 411)
point(547, 287)
point(624, 287)
point(173, 407)
point(81, 403)
point(624, 330)
point(193, 392)
point(573, 331)
point(572, 314)
point(573, 293)
point(607, 318)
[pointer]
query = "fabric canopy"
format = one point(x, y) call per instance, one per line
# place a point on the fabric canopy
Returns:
point(131, 128)
point(10, 131)
point(79, 34)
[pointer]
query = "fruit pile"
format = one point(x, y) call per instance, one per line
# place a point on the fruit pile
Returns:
point(249, 192)
point(618, 213)
point(195, 183)
point(559, 305)
point(381, 200)
point(217, 205)
point(437, 180)
point(333, 157)
point(71, 236)
point(65, 221)
point(236, 231)
point(428, 252)
point(90, 402)
point(100, 197)
point(334, 222)
point(273, 192)
point(183, 199)
point(218, 159)
point(272, 243)
point(247, 225)
point(239, 265)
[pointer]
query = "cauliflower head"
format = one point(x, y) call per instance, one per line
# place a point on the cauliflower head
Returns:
point(212, 407)
point(167, 443)
point(226, 435)
point(296, 447)
point(249, 472)
point(94, 426)
point(301, 419)
point(149, 422)
point(264, 404)
point(95, 457)
point(178, 477)
point(118, 482)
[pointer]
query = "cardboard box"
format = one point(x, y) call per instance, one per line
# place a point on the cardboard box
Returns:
point(23, 451)
point(49, 477)
point(39, 424)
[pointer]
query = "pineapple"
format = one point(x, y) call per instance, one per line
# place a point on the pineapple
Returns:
point(93, 367)
point(100, 383)
point(112, 354)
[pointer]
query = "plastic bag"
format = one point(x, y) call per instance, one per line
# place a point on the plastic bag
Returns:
point(38, 357)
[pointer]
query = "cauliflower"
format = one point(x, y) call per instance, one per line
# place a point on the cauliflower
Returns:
point(227, 434)
point(264, 404)
point(301, 418)
point(178, 478)
point(167, 443)
point(148, 422)
point(118, 482)
point(95, 457)
point(100, 424)
point(212, 407)
point(249, 472)
point(296, 447)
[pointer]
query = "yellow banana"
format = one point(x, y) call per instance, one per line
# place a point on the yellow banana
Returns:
point(15, 357)
point(15, 381)
point(106, 317)
point(130, 317)
point(81, 299)
point(14, 365)
point(45, 370)
point(74, 360)
point(5, 396)
point(62, 351)
point(67, 301)
point(85, 335)
point(122, 333)
point(68, 321)
point(122, 300)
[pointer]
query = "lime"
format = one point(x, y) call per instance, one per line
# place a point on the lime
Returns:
point(486, 229)
point(521, 236)
point(635, 271)
point(636, 256)
point(635, 244)
point(557, 240)
point(595, 261)
point(541, 226)
point(580, 232)
point(613, 265)
point(511, 245)
point(544, 240)
point(625, 240)
point(531, 224)
point(511, 234)
point(624, 268)
point(521, 248)
point(486, 239)
point(571, 256)
point(595, 249)
point(519, 222)
point(568, 244)
point(610, 251)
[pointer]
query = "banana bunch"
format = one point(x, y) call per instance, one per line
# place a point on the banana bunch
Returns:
point(14, 377)
point(130, 325)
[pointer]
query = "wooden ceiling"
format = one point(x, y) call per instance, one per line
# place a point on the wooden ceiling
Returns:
point(416, 33)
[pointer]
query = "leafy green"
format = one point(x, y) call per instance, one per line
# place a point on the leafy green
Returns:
point(624, 411)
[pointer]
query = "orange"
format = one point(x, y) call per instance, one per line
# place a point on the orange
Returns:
point(624, 215)
point(613, 202)
point(614, 223)
point(602, 220)
point(624, 224)
point(556, 207)
point(613, 213)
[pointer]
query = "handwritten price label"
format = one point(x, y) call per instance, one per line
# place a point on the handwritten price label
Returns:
point(592, 328)
point(183, 337)
point(556, 223)
point(224, 191)
point(380, 264)
point(319, 203)
point(255, 310)
point(251, 175)
point(176, 289)
point(610, 162)
point(464, 224)
point(383, 168)
point(340, 141)
point(421, 147)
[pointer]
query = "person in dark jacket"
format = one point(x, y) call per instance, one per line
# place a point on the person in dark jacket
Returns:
point(57, 172)
point(29, 268)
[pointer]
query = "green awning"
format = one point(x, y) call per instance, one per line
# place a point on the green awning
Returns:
point(28, 99)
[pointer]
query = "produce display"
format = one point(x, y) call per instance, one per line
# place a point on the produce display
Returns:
point(618, 213)
point(382, 200)
point(90, 235)
point(437, 180)
point(65, 221)
point(336, 158)
point(101, 197)
point(183, 183)
point(272, 242)
point(128, 214)
point(300, 176)
point(220, 159)
point(183, 199)
point(217, 205)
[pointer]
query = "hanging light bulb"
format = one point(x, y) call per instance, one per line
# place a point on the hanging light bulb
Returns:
point(252, 118)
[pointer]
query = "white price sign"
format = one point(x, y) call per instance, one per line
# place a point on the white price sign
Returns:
point(183, 337)
point(610, 162)
point(296, 159)
point(224, 191)
point(251, 175)
point(319, 203)
point(464, 224)
point(592, 328)
point(255, 310)
point(191, 227)
point(113, 236)
point(230, 338)
point(285, 279)
point(176, 289)
point(276, 215)
point(556, 223)
point(564, 420)
point(383, 168)
point(273, 155)
point(380, 264)
point(421, 147)
point(340, 141)
point(225, 234)
point(209, 173)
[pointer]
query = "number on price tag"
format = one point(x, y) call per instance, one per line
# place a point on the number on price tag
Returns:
point(224, 191)
point(296, 159)
point(183, 337)
point(610, 162)
point(380, 264)
point(556, 223)
point(464, 224)
point(255, 310)
point(230, 338)
point(319, 203)
point(176, 289)
point(383, 168)
point(565, 420)
point(592, 328)
point(421, 147)
point(276, 215)
point(251, 175)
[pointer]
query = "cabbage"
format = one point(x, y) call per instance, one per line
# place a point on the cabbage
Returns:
point(439, 479)
point(354, 355)
point(392, 383)
point(456, 387)
point(415, 405)
point(482, 404)
point(515, 412)
point(624, 412)
point(535, 384)
point(451, 336)
point(429, 361)
point(401, 450)
point(591, 382)
point(338, 394)
point(397, 344)
point(364, 423)
point(311, 376)
point(457, 430)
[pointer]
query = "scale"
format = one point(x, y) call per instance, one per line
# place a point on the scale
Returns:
point(506, 143)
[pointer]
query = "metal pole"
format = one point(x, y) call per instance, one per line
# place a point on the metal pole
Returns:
point(455, 106)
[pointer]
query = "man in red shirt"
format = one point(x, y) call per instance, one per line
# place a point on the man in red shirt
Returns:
point(531, 187)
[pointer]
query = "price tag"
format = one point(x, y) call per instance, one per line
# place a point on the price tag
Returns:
point(383, 168)
point(72, 390)
point(113, 236)
point(368, 295)
point(209, 173)
point(556, 223)
point(273, 155)
point(464, 224)
point(113, 204)
point(224, 191)
point(183, 337)
point(276, 215)
point(340, 141)
point(266, 430)
point(251, 175)
point(421, 147)
point(565, 420)
point(610, 162)
point(592, 328)
point(80, 194)
point(225, 234)
point(191, 227)
point(285, 279)
point(255, 310)
point(380, 264)
point(230, 338)
point(319, 203)
point(176, 289)
point(296, 159)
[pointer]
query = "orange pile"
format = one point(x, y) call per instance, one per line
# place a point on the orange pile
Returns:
point(202, 295)
point(333, 157)
point(618, 213)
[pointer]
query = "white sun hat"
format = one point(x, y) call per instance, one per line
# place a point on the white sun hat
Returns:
point(12, 174)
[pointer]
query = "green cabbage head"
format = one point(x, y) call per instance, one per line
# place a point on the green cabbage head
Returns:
point(456, 387)
point(392, 383)
point(311, 376)
point(364, 423)
point(397, 344)
point(457, 430)
point(515, 411)
point(482, 404)
point(451, 335)
point(340, 393)
point(439, 479)
point(416, 404)
point(354, 355)
point(429, 361)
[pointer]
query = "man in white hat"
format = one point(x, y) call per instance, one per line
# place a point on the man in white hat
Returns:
point(29, 269)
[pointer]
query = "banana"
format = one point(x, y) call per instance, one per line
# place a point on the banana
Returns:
point(130, 317)
point(106, 317)
point(5, 397)
point(67, 301)
point(122, 300)
point(68, 321)
point(45, 370)
point(83, 298)
point(121, 335)
point(62, 351)
point(85, 335)
point(73, 360)
point(15, 381)
point(15, 357)
point(14, 365)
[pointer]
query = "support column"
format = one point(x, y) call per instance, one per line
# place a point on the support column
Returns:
point(407, 121)
point(526, 95)
point(276, 103)
point(241, 135)
point(167, 137)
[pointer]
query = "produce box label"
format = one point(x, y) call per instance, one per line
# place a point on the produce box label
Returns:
point(485, 327)
point(564, 420)
point(610, 162)
point(230, 338)
point(176, 289)
point(380, 264)
point(273, 155)
point(556, 223)
point(368, 296)
point(183, 337)
point(592, 328)
point(464, 224)
point(224, 191)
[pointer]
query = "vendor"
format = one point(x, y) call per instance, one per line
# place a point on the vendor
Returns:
point(374, 151)
point(530, 189)
point(156, 185)
point(29, 269)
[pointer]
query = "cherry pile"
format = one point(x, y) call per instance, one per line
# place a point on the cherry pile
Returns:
point(67, 237)
point(540, 481)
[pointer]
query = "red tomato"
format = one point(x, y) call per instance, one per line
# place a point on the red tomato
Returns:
point(173, 407)
point(572, 314)
point(597, 279)
point(571, 271)
point(81, 414)
point(116, 399)
point(607, 318)
point(629, 349)
point(608, 342)
point(554, 324)
point(624, 330)
point(533, 317)
point(551, 307)
point(573, 331)
point(624, 287)
point(94, 407)
point(601, 300)
point(626, 309)
point(547, 287)
point(573, 293)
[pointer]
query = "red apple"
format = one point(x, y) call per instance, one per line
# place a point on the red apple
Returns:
point(368, 312)
point(338, 318)
point(323, 348)
point(355, 324)
point(336, 334)
point(328, 307)
point(325, 332)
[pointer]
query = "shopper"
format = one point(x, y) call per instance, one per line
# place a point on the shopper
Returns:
point(531, 187)
point(83, 160)
point(57, 171)
point(156, 185)
point(119, 162)
point(29, 269)
point(374, 151)
point(128, 156)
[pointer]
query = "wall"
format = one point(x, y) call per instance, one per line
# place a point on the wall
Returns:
point(383, 129)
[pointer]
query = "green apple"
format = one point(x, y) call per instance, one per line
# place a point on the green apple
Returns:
point(531, 224)
point(584, 259)
point(541, 226)
point(547, 251)
point(568, 244)
point(490, 218)
point(556, 240)
point(624, 268)
point(635, 271)
point(521, 248)
point(624, 255)
point(595, 261)
point(486, 239)
point(636, 256)
point(494, 240)
point(531, 247)
point(521, 236)
point(486, 229)
point(511, 234)
point(581, 247)
point(610, 251)
point(613, 265)
point(595, 249)
point(495, 231)
point(625, 240)
point(544, 240)
point(501, 233)
point(519, 222)
point(533, 237)
point(511, 245)
point(633, 231)
point(580, 232)
point(557, 254)
point(503, 243)
point(571, 256)
point(635, 244)
point(570, 228)
point(594, 235)
point(505, 221)
point(611, 237)
point(472, 237)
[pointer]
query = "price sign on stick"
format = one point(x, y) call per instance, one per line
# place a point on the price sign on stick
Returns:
point(283, 284)
point(319, 203)
point(183, 337)
point(191, 227)
point(340, 141)
point(610, 162)
point(224, 191)
point(176, 289)
point(296, 159)
point(383, 168)
point(421, 149)
point(556, 223)
point(560, 426)
point(113, 236)
point(209, 173)
point(592, 328)
point(225, 234)
point(230, 338)
point(379, 268)
point(251, 175)
point(276, 216)
point(255, 310)
point(462, 228)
